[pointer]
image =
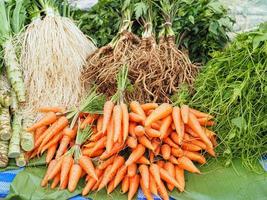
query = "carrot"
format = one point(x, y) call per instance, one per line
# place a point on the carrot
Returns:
point(52, 109)
point(52, 142)
point(151, 156)
point(185, 113)
point(65, 169)
point(132, 125)
point(68, 134)
point(48, 171)
point(110, 187)
point(90, 154)
point(199, 114)
point(139, 130)
point(191, 132)
point(174, 137)
point(118, 162)
point(88, 120)
point(89, 145)
point(213, 141)
point(131, 170)
point(110, 135)
point(106, 163)
point(170, 142)
point(160, 163)
point(91, 182)
point(115, 149)
point(136, 154)
point(143, 160)
point(211, 152)
point(56, 169)
point(133, 187)
point(96, 136)
point(169, 167)
point(173, 160)
point(190, 147)
point(125, 184)
point(99, 124)
point(157, 150)
point(144, 141)
point(108, 108)
point(166, 123)
point(179, 176)
point(186, 164)
point(152, 132)
point(88, 166)
point(55, 181)
point(173, 126)
point(74, 176)
point(156, 143)
point(208, 132)
point(177, 152)
point(58, 126)
point(149, 106)
point(50, 153)
point(131, 142)
point(136, 108)
point(156, 126)
point(179, 125)
point(152, 185)
point(48, 158)
point(120, 175)
point(162, 191)
point(48, 119)
point(117, 121)
point(164, 174)
point(133, 117)
point(144, 172)
point(195, 157)
point(160, 112)
point(195, 126)
point(199, 143)
point(146, 190)
point(105, 173)
point(125, 121)
point(166, 151)
point(39, 131)
point(205, 122)
point(100, 144)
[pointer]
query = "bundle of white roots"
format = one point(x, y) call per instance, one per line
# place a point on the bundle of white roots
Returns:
point(53, 54)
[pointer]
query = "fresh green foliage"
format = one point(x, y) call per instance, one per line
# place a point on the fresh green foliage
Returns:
point(199, 25)
point(233, 87)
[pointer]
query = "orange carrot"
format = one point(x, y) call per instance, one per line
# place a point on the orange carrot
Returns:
point(105, 173)
point(91, 154)
point(177, 152)
point(39, 131)
point(100, 144)
point(174, 137)
point(89, 145)
point(48, 119)
point(161, 163)
point(110, 187)
point(156, 125)
point(125, 184)
point(50, 153)
point(169, 167)
point(136, 154)
point(120, 175)
point(144, 172)
point(195, 157)
point(139, 130)
point(185, 113)
point(132, 125)
point(199, 143)
point(146, 190)
point(131, 170)
point(91, 182)
point(195, 126)
point(108, 108)
point(191, 132)
point(88, 120)
point(199, 114)
point(168, 177)
point(52, 109)
point(152, 132)
point(133, 187)
point(178, 122)
point(133, 117)
point(211, 152)
point(55, 181)
point(151, 156)
point(56, 169)
point(186, 164)
point(74, 176)
point(99, 124)
point(179, 176)
point(160, 112)
point(143, 160)
point(58, 126)
point(52, 142)
point(48, 171)
point(157, 150)
point(125, 121)
point(149, 106)
point(190, 147)
point(110, 135)
point(131, 142)
point(115, 149)
point(106, 163)
point(173, 160)
point(205, 122)
point(166, 123)
point(166, 151)
point(117, 121)
point(136, 108)
point(170, 142)
point(146, 142)
point(152, 185)
point(65, 169)
point(88, 166)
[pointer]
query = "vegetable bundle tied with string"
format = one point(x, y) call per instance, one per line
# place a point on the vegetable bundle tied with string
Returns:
point(53, 53)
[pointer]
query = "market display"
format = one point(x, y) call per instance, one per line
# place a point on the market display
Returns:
point(157, 102)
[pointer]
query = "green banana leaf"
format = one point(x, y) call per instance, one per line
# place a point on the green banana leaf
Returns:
point(215, 182)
